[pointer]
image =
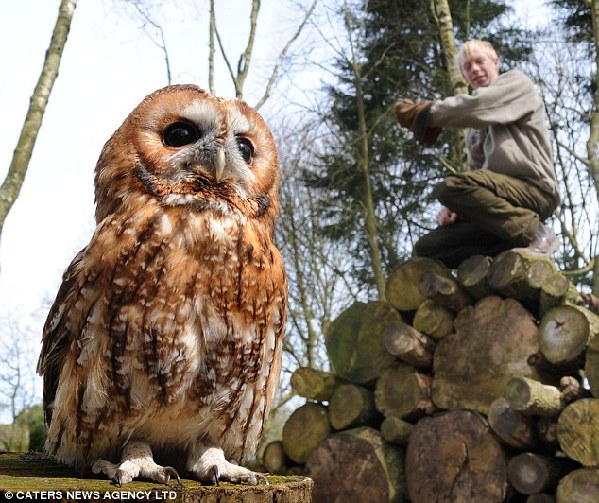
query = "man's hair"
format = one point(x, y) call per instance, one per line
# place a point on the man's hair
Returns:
point(468, 48)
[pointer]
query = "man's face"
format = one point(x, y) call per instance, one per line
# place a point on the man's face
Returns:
point(479, 69)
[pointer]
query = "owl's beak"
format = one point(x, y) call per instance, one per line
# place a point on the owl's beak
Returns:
point(219, 164)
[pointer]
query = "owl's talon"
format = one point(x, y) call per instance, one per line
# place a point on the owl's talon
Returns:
point(211, 466)
point(216, 475)
point(169, 472)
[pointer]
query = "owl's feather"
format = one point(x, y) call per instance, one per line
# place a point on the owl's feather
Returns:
point(168, 325)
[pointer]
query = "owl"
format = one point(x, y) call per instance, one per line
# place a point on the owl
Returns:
point(162, 350)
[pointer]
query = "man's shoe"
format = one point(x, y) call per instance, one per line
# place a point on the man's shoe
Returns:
point(545, 242)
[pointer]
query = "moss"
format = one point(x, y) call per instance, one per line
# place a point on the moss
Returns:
point(35, 472)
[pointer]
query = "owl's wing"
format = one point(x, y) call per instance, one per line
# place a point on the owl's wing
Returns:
point(57, 338)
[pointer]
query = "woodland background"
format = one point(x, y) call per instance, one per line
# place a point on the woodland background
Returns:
point(356, 189)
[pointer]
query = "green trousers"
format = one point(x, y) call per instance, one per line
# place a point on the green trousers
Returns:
point(495, 213)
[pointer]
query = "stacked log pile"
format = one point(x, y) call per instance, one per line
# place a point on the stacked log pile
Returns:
point(479, 385)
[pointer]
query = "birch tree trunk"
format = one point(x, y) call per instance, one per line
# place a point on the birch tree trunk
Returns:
point(442, 13)
point(11, 187)
point(593, 144)
point(362, 156)
point(239, 76)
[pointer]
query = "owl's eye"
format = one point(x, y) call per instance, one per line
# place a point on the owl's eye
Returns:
point(246, 148)
point(180, 134)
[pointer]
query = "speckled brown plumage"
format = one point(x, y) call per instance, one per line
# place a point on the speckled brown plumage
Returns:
point(167, 327)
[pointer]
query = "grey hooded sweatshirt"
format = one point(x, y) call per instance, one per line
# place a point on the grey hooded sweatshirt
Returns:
point(507, 131)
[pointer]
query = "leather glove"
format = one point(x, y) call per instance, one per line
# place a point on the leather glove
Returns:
point(415, 117)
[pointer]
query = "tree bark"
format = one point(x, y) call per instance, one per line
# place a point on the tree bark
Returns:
point(532, 473)
point(578, 431)
point(591, 368)
point(396, 431)
point(511, 426)
point(354, 342)
point(403, 392)
point(39, 474)
point(593, 143)
point(314, 384)
point(553, 292)
point(356, 465)
point(11, 187)
point(464, 461)
point(442, 12)
point(533, 398)
point(564, 334)
point(306, 426)
point(444, 291)
point(409, 345)
point(580, 486)
point(470, 371)
point(274, 458)
point(402, 283)
point(472, 275)
point(433, 320)
point(521, 276)
point(352, 405)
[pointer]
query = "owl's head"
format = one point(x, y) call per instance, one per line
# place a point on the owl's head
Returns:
point(182, 146)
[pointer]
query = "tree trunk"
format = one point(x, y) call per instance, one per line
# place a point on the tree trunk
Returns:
point(29, 474)
point(403, 392)
point(511, 426)
point(553, 292)
point(433, 320)
point(274, 458)
point(578, 431)
point(356, 465)
point(593, 143)
point(532, 473)
point(591, 368)
point(352, 405)
point(409, 345)
point(354, 342)
point(444, 291)
point(11, 187)
point(442, 12)
point(533, 398)
point(472, 275)
point(521, 276)
point(314, 384)
point(396, 431)
point(579, 486)
point(564, 334)
point(402, 283)
point(306, 426)
point(454, 457)
point(470, 371)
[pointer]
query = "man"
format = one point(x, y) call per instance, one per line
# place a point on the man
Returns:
point(511, 187)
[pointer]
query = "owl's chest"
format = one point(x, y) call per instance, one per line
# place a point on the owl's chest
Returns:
point(218, 274)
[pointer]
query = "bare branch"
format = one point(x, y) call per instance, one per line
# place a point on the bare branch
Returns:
point(243, 66)
point(211, 48)
point(282, 54)
point(161, 44)
point(227, 62)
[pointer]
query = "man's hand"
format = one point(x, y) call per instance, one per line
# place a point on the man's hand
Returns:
point(415, 116)
point(446, 216)
point(407, 112)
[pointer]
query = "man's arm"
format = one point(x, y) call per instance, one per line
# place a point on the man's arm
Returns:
point(511, 96)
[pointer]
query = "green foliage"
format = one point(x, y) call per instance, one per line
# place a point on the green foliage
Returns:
point(575, 16)
point(33, 418)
